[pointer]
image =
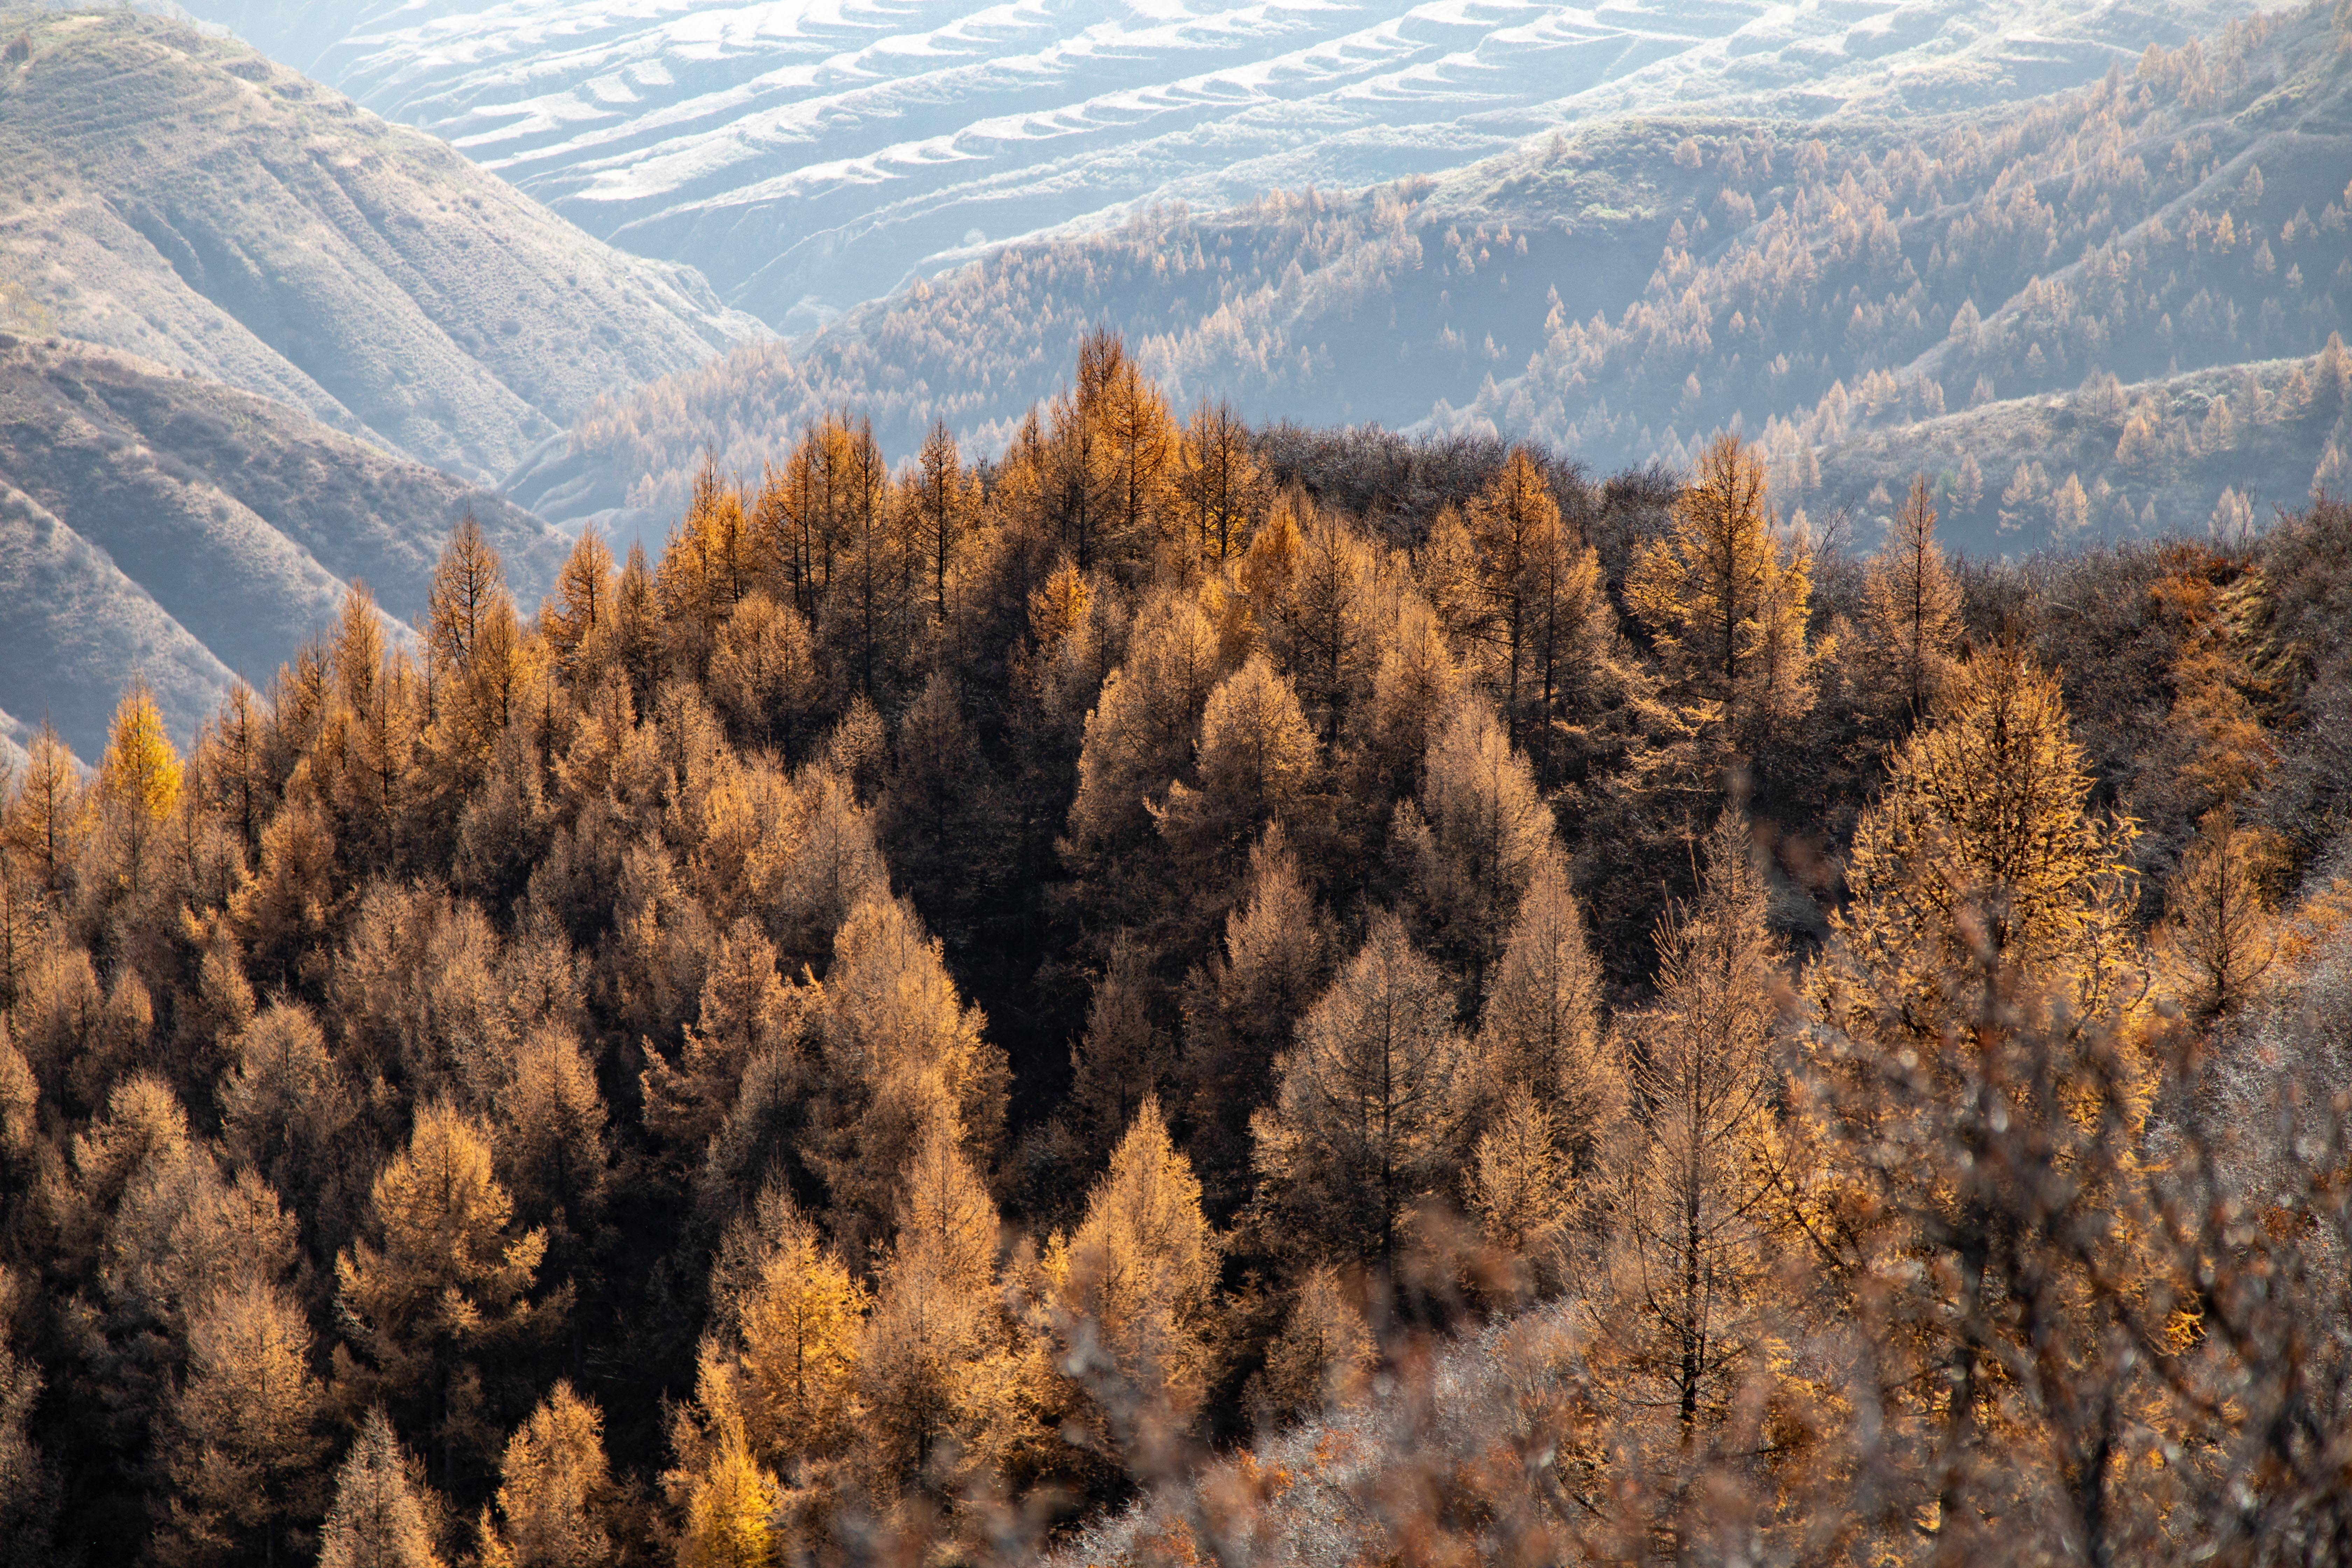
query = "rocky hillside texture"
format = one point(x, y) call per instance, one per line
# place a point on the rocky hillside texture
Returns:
point(2160, 237)
point(160, 523)
point(183, 199)
point(807, 158)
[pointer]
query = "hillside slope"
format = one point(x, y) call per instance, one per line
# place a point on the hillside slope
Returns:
point(1622, 291)
point(186, 200)
point(810, 158)
point(158, 523)
point(2183, 225)
point(2218, 451)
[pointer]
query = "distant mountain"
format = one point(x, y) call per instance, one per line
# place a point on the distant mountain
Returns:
point(181, 198)
point(15, 739)
point(808, 158)
point(1625, 291)
point(154, 521)
point(2179, 227)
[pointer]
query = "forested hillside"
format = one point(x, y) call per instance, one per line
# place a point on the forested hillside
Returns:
point(183, 199)
point(2101, 296)
point(156, 521)
point(953, 1001)
point(810, 161)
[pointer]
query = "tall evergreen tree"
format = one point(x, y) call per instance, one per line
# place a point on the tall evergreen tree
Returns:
point(240, 1439)
point(1132, 1289)
point(553, 1490)
point(1911, 611)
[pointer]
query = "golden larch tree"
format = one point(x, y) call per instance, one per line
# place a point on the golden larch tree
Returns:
point(1480, 832)
point(47, 815)
point(1522, 1189)
point(1324, 1356)
point(1132, 1289)
point(1911, 614)
point(1364, 1123)
point(139, 774)
point(939, 1370)
point(897, 1052)
point(554, 1487)
point(1141, 732)
point(2219, 933)
point(746, 1011)
point(944, 506)
point(1965, 1159)
point(1220, 488)
point(1123, 1057)
point(240, 1440)
point(778, 1366)
point(1541, 1029)
point(1725, 602)
point(729, 1508)
point(443, 1282)
point(1514, 523)
point(473, 643)
point(1687, 1263)
point(1239, 1007)
point(1142, 442)
point(1981, 849)
point(713, 560)
point(579, 616)
point(1256, 759)
point(379, 1519)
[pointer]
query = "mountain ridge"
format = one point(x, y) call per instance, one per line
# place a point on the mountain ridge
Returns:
point(1621, 292)
point(181, 198)
point(808, 161)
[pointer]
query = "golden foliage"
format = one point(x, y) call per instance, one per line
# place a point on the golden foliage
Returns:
point(1726, 603)
point(940, 1373)
point(141, 772)
point(2219, 933)
point(1325, 1353)
point(730, 1508)
point(378, 1520)
point(1541, 1034)
point(1132, 1289)
point(799, 1318)
point(1523, 1190)
point(1911, 613)
point(1256, 760)
point(1365, 1119)
point(1982, 850)
point(552, 1489)
point(243, 1448)
point(1688, 1260)
point(445, 1280)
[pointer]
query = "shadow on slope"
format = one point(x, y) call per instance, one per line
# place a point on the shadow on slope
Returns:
point(160, 522)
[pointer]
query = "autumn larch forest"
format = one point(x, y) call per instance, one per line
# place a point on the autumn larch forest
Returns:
point(1194, 994)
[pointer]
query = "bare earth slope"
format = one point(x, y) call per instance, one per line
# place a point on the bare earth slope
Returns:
point(183, 198)
point(188, 531)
